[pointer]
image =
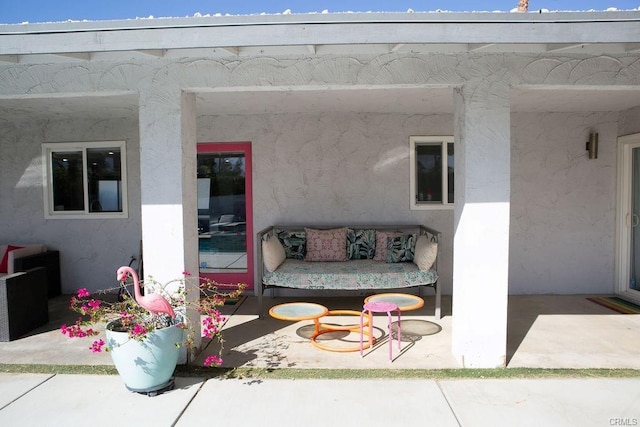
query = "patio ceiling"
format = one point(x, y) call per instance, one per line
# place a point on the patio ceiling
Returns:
point(312, 35)
point(406, 100)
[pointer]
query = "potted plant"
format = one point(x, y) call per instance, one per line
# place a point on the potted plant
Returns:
point(144, 332)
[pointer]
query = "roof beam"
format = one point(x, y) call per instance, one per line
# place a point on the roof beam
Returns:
point(559, 47)
point(235, 51)
point(475, 47)
point(81, 56)
point(159, 53)
point(632, 47)
point(9, 58)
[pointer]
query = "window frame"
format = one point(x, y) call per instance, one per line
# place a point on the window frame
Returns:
point(49, 148)
point(414, 142)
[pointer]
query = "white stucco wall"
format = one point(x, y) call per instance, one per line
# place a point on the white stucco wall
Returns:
point(334, 168)
point(90, 250)
point(560, 200)
point(366, 151)
point(629, 122)
point(562, 204)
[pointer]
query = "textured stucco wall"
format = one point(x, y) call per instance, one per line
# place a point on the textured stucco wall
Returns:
point(334, 168)
point(90, 250)
point(629, 122)
point(562, 204)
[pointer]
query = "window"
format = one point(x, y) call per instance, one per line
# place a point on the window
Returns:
point(85, 180)
point(431, 168)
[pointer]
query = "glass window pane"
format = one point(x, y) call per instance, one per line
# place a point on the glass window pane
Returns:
point(222, 212)
point(68, 189)
point(429, 173)
point(450, 164)
point(104, 179)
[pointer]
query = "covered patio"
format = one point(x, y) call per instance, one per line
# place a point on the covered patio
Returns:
point(329, 105)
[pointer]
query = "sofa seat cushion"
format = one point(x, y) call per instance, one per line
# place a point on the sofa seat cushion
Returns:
point(350, 275)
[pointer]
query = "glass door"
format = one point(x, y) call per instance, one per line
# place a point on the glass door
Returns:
point(225, 221)
point(629, 217)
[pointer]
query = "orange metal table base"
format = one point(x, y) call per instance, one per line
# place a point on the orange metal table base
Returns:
point(324, 328)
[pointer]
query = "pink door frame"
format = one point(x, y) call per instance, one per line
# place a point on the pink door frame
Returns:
point(237, 147)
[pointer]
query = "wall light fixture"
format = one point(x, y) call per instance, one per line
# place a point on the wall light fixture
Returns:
point(592, 145)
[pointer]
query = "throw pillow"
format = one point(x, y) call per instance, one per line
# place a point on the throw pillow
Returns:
point(4, 264)
point(272, 253)
point(401, 248)
point(326, 245)
point(361, 244)
point(425, 253)
point(381, 244)
point(293, 243)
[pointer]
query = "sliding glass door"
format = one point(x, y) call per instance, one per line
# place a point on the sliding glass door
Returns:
point(628, 264)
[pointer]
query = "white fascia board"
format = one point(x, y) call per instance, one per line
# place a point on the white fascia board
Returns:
point(330, 18)
point(404, 29)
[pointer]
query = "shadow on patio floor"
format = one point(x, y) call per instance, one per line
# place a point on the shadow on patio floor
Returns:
point(543, 332)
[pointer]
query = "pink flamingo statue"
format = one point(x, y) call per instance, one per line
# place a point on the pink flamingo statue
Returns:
point(153, 302)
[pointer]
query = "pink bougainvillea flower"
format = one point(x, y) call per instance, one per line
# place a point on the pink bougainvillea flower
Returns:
point(83, 293)
point(138, 331)
point(186, 273)
point(96, 347)
point(213, 361)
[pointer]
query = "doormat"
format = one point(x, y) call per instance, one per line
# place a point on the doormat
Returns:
point(616, 304)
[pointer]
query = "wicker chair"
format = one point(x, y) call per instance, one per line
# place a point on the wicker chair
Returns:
point(33, 277)
point(23, 302)
point(50, 260)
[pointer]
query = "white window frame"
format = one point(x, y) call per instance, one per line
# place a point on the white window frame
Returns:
point(414, 142)
point(52, 147)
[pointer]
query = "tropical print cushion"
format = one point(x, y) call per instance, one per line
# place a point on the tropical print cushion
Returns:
point(294, 243)
point(381, 244)
point(401, 248)
point(361, 244)
point(326, 245)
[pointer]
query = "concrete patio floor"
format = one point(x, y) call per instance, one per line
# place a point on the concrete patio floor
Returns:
point(543, 332)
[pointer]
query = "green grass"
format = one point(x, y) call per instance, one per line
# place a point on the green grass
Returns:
point(290, 373)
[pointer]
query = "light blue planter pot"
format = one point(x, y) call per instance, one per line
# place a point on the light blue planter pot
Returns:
point(147, 366)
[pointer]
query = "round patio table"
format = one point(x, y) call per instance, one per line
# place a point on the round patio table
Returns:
point(297, 311)
point(405, 302)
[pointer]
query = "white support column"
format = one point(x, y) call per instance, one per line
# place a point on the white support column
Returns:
point(481, 228)
point(168, 187)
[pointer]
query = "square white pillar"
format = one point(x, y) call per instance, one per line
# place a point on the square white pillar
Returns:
point(481, 227)
point(168, 188)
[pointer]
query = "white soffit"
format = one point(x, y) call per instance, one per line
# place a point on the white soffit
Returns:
point(405, 100)
point(402, 100)
point(574, 99)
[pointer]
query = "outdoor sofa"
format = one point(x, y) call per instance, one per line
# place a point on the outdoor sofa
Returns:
point(381, 258)
point(29, 276)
